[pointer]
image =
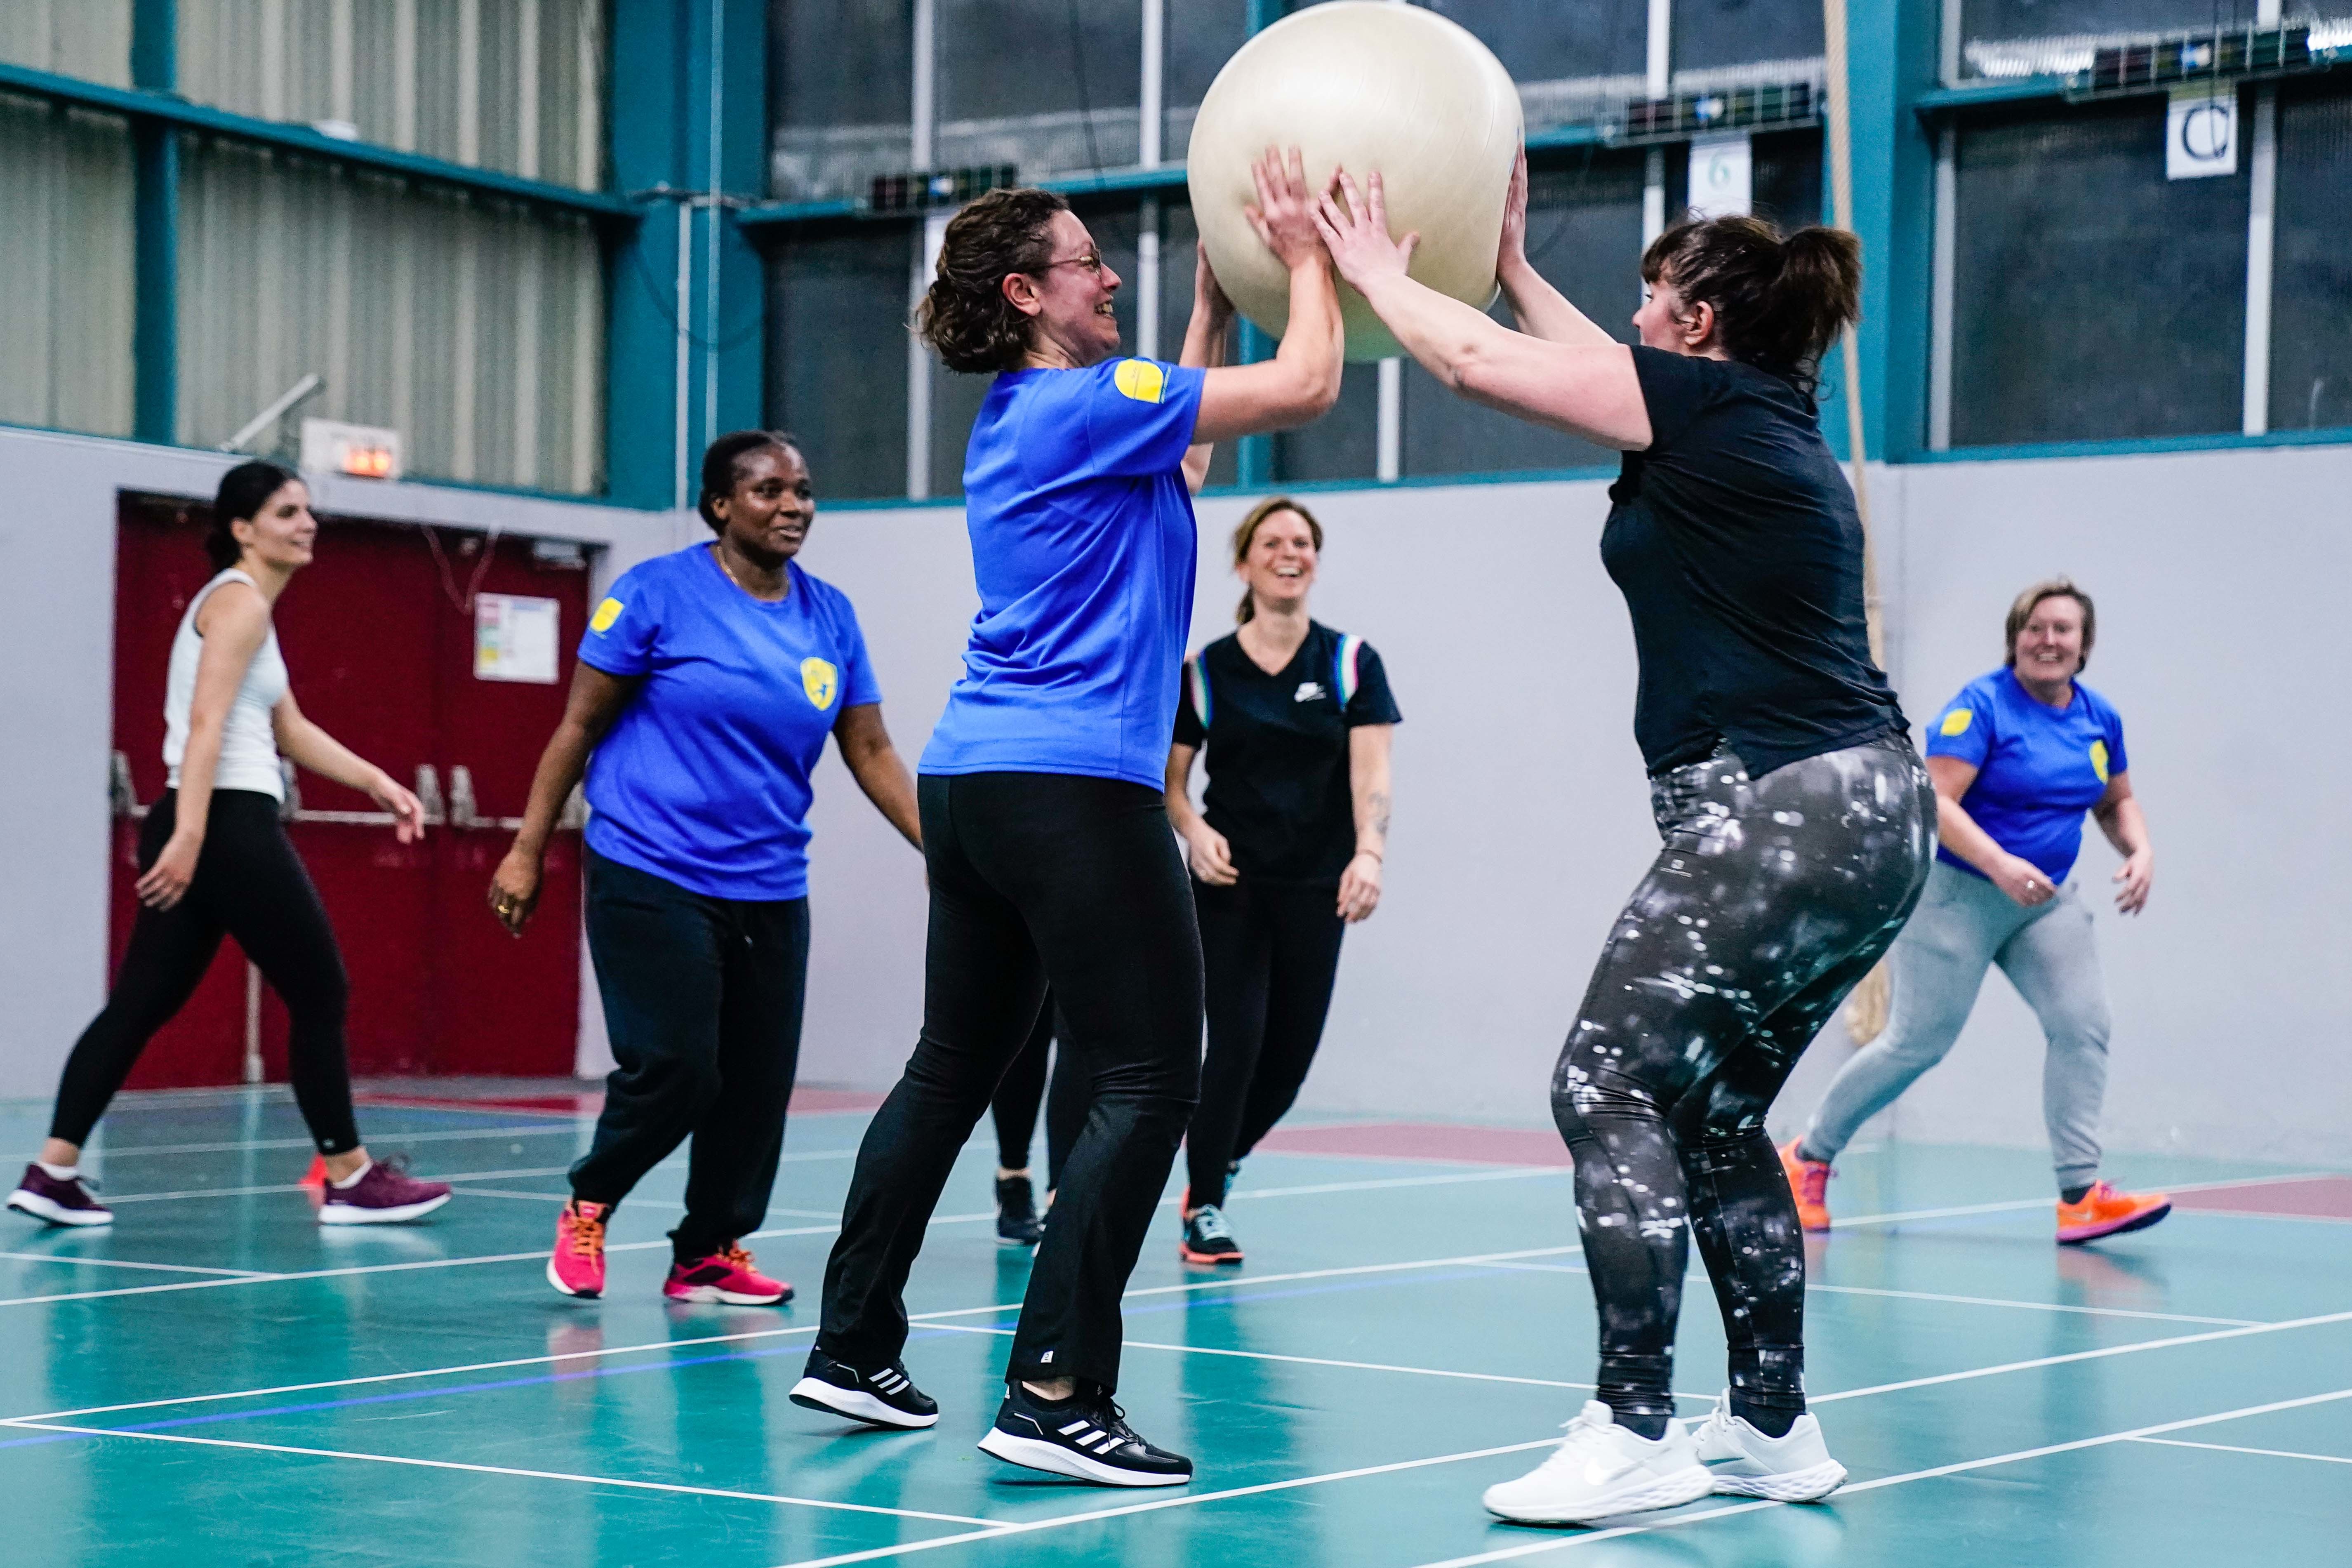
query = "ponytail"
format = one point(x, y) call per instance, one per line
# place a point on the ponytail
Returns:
point(1779, 302)
point(243, 492)
point(1247, 610)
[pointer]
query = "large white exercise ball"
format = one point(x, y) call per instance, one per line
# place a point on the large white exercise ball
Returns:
point(1364, 85)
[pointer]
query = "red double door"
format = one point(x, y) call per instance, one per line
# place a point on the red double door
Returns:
point(379, 634)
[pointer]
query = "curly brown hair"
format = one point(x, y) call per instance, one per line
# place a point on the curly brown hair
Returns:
point(964, 315)
point(1779, 300)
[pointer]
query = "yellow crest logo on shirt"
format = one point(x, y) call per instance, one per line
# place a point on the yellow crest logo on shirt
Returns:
point(821, 681)
point(2099, 760)
point(606, 614)
point(1139, 379)
point(1957, 721)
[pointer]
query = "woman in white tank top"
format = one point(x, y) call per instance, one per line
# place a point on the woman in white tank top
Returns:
point(215, 862)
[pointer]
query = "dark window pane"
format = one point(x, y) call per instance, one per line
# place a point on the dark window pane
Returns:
point(1711, 34)
point(837, 354)
point(2311, 298)
point(1342, 445)
point(840, 92)
point(2095, 297)
point(1045, 85)
point(1198, 38)
point(1179, 245)
point(1556, 41)
point(1786, 171)
point(1584, 233)
point(2025, 38)
point(956, 399)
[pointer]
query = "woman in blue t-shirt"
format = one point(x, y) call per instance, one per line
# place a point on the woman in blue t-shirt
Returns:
point(2018, 757)
point(706, 684)
point(1796, 818)
point(1049, 853)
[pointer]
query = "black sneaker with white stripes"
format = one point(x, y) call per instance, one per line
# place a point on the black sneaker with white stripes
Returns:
point(886, 1396)
point(1086, 1436)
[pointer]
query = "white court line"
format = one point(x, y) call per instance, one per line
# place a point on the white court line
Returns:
point(2014, 1205)
point(123, 1263)
point(2232, 1448)
point(101, 1153)
point(501, 1470)
point(1325, 1361)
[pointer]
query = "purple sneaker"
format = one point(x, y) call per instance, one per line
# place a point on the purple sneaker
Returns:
point(387, 1194)
point(69, 1202)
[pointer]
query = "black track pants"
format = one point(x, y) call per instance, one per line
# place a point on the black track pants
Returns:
point(1770, 901)
point(1270, 953)
point(1016, 1105)
point(1034, 877)
point(250, 884)
point(702, 999)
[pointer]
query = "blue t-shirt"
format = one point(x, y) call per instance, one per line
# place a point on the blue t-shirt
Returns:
point(704, 777)
point(2039, 768)
point(1082, 544)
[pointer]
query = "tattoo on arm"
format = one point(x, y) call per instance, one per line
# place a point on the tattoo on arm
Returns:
point(1378, 804)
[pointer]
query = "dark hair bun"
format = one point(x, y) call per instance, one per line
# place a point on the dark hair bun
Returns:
point(1779, 302)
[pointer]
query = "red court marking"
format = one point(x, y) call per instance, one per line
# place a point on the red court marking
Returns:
point(1425, 1141)
point(589, 1102)
point(2300, 1197)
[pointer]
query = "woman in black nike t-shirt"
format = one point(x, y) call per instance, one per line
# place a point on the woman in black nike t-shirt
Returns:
point(1797, 822)
point(1296, 717)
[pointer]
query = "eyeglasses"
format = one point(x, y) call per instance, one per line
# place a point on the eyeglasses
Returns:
point(1092, 261)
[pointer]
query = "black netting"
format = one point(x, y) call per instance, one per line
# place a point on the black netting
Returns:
point(2311, 295)
point(837, 354)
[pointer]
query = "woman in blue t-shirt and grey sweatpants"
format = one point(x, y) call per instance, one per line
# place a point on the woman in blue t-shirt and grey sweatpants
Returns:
point(2017, 757)
point(707, 682)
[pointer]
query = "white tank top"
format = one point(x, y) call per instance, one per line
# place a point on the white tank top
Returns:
point(248, 758)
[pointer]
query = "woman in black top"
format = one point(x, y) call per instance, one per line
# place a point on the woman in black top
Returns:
point(1797, 822)
point(1296, 720)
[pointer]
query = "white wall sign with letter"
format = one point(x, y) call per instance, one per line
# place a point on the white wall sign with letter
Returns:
point(515, 637)
point(1721, 175)
point(2200, 134)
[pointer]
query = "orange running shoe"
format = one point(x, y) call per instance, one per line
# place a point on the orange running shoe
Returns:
point(576, 1267)
point(2106, 1212)
point(1809, 1179)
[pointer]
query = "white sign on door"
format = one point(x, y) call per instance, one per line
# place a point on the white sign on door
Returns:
point(1721, 176)
point(2200, 134)
point(515, 637)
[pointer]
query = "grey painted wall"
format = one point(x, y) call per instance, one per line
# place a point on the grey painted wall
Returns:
point(1521, 815)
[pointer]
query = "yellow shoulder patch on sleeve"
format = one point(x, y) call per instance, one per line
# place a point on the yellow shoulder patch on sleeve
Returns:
point(2099, 760)
point(606, 614)
point(1957, 721)
point(1139, 379)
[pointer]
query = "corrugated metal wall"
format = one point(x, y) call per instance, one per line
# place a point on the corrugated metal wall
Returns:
point(66, 259)
point(513, 84)
point(88, 38)
point(475, 329)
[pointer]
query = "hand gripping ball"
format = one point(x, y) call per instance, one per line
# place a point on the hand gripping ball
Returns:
point(1367, 85)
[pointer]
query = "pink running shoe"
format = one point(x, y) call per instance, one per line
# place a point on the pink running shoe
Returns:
point(728, 1276)
point(2106, 1212)
point(54, 1201)
point(576, 1267)
point(385, 1195)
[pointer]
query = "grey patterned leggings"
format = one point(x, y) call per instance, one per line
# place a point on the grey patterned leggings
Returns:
point(1770, 901)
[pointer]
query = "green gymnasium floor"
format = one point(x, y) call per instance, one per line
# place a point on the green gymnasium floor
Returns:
point(217, 1380)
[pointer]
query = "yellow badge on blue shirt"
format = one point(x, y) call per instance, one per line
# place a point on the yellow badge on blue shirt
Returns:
point(606, 614)
point(1958, 720)
point(2099, 760)
point(821, 681)
point(1139, 379)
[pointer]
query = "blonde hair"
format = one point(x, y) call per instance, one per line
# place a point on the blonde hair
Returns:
point(1247, 531)
point(2022, 611)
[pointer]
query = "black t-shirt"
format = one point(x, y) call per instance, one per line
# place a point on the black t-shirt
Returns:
point(1278, 749)
point(1737, 543)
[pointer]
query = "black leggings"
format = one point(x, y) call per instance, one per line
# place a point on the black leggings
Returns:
point(702, 999)
point(250, 884)
point(1770, 901)
point(1014, 1107)
point(1270, 952)
point(1034, 877)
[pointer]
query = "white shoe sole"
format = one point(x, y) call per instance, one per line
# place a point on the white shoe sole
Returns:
point(711, 1295)
point(352, 1214)
point(1797, 1486)
point(557, 1280)
point(815, 1394)
point(55, 1213)
point(1058, 1460)
point(1634, 1497)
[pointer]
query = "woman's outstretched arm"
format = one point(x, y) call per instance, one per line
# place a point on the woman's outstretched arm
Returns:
point(1204, 345)
point(1586, 388)
point(1301, 381)
point(1543, 311)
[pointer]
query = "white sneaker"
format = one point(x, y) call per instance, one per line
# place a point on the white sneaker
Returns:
point(1795, 1467)
point(1602, 1470)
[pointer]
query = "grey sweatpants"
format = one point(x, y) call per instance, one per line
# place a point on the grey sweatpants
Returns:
point(1963, 925)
